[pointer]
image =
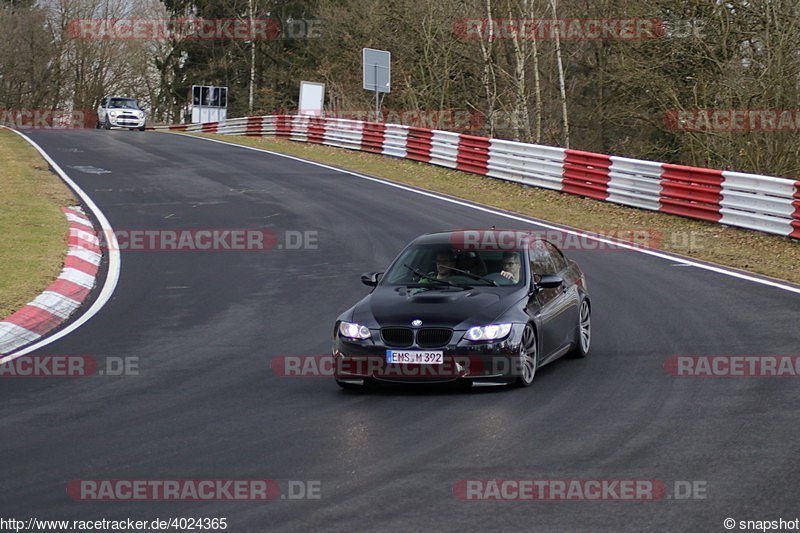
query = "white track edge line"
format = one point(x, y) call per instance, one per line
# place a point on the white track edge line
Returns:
point(520, 218)
point(114, 261)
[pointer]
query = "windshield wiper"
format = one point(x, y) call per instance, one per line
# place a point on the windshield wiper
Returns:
point(473, 276)
point(422, 274)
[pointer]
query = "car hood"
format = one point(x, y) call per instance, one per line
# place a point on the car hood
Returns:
point(458, 309)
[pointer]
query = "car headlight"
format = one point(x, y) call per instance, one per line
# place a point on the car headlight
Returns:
point(112, 114)
point(488, 333)
point(354, 331)
point(139, 114)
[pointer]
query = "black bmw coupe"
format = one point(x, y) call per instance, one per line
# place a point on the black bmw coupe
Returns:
point(481, 306)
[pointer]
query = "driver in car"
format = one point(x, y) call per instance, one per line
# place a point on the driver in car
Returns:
point(510, 268)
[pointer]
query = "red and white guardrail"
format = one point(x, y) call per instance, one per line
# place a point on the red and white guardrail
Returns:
point(751, 201)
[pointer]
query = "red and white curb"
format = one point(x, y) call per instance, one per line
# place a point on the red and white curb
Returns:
point(65, 295)
point(77, 278)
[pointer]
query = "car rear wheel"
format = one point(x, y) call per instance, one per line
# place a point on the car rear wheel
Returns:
point(583, 331)
point(529, 357)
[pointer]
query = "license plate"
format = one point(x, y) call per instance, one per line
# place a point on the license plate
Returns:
point(415, 357)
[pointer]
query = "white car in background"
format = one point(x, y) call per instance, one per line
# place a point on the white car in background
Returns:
point(120, 112)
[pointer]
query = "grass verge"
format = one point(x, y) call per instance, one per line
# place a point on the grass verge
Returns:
point(33, 228)
point(768, 255)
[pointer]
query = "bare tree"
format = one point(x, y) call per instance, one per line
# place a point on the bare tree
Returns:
point(561, 83)
point(489, 78)
point(537, 85)
point(521, 115)
point(29, 65)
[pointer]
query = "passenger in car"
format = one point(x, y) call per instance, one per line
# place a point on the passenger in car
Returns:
point(445, 260)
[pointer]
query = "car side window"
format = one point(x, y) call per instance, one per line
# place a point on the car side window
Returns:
point(541, 263)
point(557, 258)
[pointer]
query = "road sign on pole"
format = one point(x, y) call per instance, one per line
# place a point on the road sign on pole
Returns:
point(312, 98)
point(377, 69)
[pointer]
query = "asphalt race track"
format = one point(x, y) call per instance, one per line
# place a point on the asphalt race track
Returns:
point(207, 405)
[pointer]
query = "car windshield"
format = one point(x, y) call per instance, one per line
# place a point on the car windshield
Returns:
point(442, 265)
point(122, 103)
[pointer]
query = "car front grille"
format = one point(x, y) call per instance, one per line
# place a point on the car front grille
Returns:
point(433, 337)
point(401, 337)
point(425, 337)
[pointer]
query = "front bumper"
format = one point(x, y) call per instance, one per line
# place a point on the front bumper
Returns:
point(126, 121)
point(489, 362)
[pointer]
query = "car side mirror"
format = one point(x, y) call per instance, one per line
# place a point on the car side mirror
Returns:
point(550, 281)
point(371, 279)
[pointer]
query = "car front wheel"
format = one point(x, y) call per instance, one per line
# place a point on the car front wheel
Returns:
point(529, 357)
point(583, 330)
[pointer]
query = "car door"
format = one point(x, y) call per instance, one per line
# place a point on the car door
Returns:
point(567, 300)
point(544, 305)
